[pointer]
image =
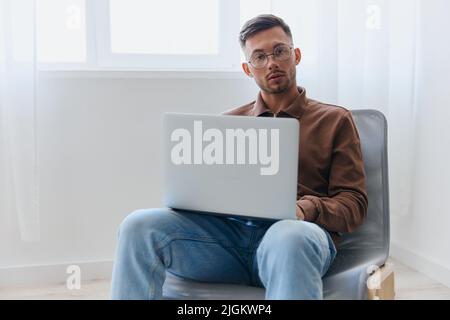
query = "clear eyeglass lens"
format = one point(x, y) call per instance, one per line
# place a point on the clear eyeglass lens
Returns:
point(280, 53)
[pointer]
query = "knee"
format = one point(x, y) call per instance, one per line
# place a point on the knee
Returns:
point(143, 221)
point(293, 237)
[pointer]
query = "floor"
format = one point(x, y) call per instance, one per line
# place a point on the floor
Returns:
point(409, 283)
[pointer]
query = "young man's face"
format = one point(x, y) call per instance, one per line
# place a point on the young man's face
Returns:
point(275, 76)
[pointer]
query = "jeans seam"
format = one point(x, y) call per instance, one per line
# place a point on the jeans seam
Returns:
point(151, 290)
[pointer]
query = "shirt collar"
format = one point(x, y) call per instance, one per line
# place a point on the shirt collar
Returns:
point(294, 110)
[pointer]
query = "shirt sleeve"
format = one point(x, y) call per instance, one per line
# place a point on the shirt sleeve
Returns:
point(345, 207)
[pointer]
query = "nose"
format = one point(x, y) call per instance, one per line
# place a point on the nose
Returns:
point(272, 62)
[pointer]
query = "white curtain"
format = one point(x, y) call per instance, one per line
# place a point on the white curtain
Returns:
point(362, 54)
point(356, 53)
point(18, 141)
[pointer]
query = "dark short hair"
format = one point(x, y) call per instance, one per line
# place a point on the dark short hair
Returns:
point(261, 23)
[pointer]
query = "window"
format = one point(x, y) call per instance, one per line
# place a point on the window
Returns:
point(167, 35)
point(142, 34)
point(164, 27)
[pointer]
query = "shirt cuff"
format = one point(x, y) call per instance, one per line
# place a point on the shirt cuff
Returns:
point(309, 209)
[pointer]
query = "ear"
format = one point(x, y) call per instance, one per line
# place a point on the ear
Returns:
point(298, 56)
point(246, 69)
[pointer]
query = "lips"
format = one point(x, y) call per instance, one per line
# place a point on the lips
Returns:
point(275, 76)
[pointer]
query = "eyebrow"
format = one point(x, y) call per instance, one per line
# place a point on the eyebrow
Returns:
point(261, 50)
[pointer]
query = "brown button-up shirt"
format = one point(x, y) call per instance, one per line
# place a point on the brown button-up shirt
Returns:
point(331, 188)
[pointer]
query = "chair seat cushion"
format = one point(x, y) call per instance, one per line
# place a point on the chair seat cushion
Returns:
point(346, 279)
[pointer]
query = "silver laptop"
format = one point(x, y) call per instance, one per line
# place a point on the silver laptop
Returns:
point(231, 165)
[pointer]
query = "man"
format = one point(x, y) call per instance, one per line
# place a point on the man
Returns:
point(289, 257)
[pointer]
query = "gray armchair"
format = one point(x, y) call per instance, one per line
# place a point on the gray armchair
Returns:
point(358, 252)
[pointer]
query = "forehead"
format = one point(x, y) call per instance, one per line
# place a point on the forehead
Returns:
point(266, 40)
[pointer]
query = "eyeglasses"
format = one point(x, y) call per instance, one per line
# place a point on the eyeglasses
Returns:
point(280, 53)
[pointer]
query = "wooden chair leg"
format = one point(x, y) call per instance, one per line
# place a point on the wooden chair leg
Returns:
point(381, 284)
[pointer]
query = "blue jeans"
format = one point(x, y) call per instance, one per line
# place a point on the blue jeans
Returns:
point(287, 257)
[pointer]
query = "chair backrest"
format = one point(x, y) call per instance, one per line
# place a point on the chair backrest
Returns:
point(374, 232)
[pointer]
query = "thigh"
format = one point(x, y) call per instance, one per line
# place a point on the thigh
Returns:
point(197, 246)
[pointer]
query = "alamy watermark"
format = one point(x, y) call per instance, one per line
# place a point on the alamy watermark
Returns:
point(221, 146)
point(73, 281)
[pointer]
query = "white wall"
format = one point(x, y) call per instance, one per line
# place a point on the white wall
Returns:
point(98, 152)
point(421, 238)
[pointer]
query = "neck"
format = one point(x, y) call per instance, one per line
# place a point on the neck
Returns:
point(279, 101)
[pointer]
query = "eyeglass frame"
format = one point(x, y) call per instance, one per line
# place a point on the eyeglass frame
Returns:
point(267, 55)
